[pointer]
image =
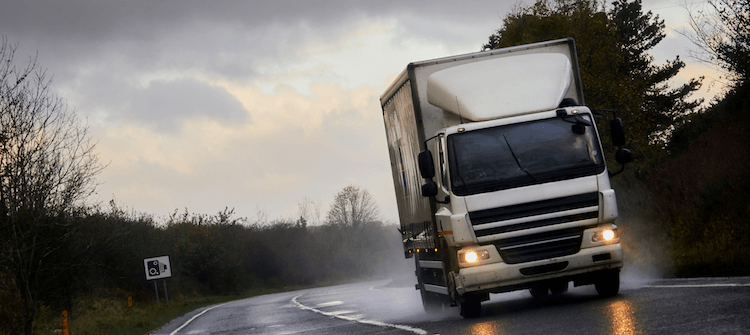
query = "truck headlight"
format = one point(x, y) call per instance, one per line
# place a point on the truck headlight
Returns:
point(604, 235)
point(472, 256)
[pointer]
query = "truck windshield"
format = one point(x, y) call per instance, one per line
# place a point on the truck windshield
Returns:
point(522, 154)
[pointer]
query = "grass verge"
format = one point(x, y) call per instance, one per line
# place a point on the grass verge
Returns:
point(113, 316)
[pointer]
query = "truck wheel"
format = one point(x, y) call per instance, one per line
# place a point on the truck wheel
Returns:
point(608, 284)
point(559, 288)
point(538, 291)
point(471, 306)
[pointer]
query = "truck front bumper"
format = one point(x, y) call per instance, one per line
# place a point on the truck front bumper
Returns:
point(502, 277)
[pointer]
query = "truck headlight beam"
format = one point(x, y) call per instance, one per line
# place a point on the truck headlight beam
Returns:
point(473, 256)
point(606, 235)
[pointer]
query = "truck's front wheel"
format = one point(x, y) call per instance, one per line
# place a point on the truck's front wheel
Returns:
point(471, 305)
point(608, 283)
point(539, 291)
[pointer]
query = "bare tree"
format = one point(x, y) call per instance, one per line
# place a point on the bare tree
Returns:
point(304, 211)
point(316, 213)
point(722, 33)
point(261, 216)
point(308, 211)
point(353, 207)
point(48, 169)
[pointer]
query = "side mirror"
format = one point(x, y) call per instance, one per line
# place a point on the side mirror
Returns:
point(429, 189)
point(623, 156)
point(579, 129)
point(617, 132)
point(426, 165)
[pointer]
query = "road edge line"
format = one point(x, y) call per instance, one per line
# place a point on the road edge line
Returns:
point(195, 317)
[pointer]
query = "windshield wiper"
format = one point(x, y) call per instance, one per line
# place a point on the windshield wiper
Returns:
point(517, 162)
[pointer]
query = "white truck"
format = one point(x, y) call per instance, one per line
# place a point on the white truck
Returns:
point(500, 177)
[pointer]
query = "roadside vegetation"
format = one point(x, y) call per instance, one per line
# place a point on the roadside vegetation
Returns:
point(214, 258)
point(112, 315)
point(683, 202)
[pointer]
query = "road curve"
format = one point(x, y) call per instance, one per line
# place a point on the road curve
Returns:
point(673, 306)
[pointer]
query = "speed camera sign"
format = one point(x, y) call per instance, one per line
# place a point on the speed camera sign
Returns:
point(157, 267)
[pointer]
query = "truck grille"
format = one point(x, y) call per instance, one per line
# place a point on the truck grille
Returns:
point(534, 208)
point(540, 246)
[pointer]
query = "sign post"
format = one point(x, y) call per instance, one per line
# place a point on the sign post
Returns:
point(166, 295)
point(158, 268)
point(156, 290)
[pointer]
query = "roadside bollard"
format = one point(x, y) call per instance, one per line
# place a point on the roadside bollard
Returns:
point(64, 318)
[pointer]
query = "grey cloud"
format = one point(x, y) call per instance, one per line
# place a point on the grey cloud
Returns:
point(94, 22)
point(163, 105)
point(228, 39)
point(95, 48)
point(166, 103)
point(99, 20)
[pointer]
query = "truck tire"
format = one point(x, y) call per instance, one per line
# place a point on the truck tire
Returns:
point(558, 288)
point(471, 306)
point(538, 292)
point(608, 283)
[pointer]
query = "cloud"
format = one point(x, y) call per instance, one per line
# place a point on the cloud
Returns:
point(297, 145)
point(161, 104)
point(167, 103)
point(229, 37)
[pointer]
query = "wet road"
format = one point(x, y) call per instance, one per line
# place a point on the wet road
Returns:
point(675, 306)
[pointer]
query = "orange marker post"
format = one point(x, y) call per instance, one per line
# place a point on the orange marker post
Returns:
point(65, 323)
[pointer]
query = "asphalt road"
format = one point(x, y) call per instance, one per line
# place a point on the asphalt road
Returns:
point(673, 306)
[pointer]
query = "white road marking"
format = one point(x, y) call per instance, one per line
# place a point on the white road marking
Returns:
point(335, 313)
point(360, 320)
point(195, 317)
point(330, 303)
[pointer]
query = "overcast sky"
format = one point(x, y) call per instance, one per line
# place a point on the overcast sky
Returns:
point(251, 105)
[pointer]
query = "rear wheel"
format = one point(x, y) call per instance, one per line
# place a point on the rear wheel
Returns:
point(608, 283)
